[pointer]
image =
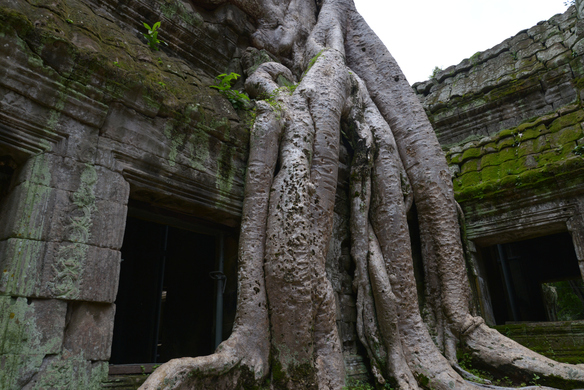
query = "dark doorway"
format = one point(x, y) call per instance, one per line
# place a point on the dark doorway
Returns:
point(166, 299)
point(7, 168)
point(523, 277)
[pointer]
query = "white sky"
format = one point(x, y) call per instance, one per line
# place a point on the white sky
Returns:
point(423, 34)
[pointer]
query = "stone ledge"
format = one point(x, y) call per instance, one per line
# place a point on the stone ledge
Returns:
point(560, 341)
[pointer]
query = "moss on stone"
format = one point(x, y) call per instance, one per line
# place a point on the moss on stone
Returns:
point(528, 156)
point(506, 142)
point(566, 135)
point(469, 166)
point(491, 173)
point(470, 179)
point(469, 153)
point(513, 167)
point(560, 341)
point(525, 148)
point(532, 132)
point(567, 120)
point(455, 158)
point(489, 147)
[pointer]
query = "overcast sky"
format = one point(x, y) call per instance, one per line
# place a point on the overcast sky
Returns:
point(423, 34)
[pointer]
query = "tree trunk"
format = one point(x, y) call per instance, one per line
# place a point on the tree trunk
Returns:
point(285, 335)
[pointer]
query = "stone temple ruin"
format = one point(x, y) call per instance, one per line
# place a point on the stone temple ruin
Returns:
point(121, 184)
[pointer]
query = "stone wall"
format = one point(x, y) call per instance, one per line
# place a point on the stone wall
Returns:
point(561, 341)
point(510, 120)
point(90, 116)
point(536, 72)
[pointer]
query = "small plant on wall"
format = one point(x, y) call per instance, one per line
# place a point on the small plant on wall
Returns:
point(237, 99)
point(152, 35)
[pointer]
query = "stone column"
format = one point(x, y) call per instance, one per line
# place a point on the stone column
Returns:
point(61, 228)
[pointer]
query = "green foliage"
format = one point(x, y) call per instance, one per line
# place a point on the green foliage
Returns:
point(311, 63)
point(465, 362)
point(354, 384)
point(570, 307)
point(579, 150)
point(152, 35)
point(237, 99)
point(475, 58)
point(274, 103)
point(435, 72)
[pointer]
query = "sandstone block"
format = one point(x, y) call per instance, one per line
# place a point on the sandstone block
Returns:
point(347, 332)
point(554, 38)
point(101, 275)
point(21, 264)
point(26, 211)
point(348, 308)
point(565, 135)
point(530, 50)
point(108, 224)
point(81, 144)
point(31, 326)
point(38, 170)
point(76, 271)
point(16, 371)
point(68, 371)
point(565, 20)
point(111, 186)
point(541, 32)
point(89, 330)
point(551, 52)
point(578, 47)
point(65, 173)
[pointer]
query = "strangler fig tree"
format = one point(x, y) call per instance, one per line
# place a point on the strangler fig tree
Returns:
point(285, 335)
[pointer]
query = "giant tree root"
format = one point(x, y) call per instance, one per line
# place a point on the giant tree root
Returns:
point(351, 82)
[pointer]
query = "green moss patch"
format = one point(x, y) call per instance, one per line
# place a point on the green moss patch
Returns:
point(527, 157)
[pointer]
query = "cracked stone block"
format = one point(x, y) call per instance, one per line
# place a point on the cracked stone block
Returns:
point(69, 371)
point(54, 215)
point(64, 173)
point(31, 326)
point(99, 222)
point(17, 371)
point(89, 329)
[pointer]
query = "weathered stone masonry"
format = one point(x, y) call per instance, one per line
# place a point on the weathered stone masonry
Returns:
point(89, 117)
point(510, 120)
point(92, 118)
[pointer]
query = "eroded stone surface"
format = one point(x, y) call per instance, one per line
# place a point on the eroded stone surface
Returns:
point(89, 330)
point(91, 116)
point(528, 75)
